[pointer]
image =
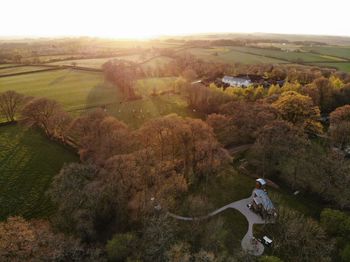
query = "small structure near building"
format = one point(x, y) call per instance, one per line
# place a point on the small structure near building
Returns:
point(266, 241)
point(261, 203)
point(236, 81)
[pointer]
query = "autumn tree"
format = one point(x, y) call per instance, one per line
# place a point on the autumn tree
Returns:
point(123, 74)
point(46, 114)
point(100, 136)
point(340, 126)
point(22, 240)
point(324, 94)
point(188, 143)
point(247, 118)
point(145, 182)
point(279, 144)
point(226, 132)
point(91, 208)
point(300, 111)
point(10, 104)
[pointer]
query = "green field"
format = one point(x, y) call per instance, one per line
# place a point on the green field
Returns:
point(20, 69)
point(136, 112)
point(77, 91)
point(339, 51)
point(286, 55)
point(340, 66)
point(70, 87)
point(6, 65)
point(28, 161)
point(227, 55)
point(96, 62)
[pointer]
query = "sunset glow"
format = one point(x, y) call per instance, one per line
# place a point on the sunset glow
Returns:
point(140, 19)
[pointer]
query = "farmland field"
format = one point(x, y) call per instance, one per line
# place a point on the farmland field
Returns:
point(20, 69)
point(228, 55)
point(78, 91)
point(339, 51)
point(69, 87)
point(284, 55)
point(340, 66)
point(96, 62)
point(6, 65)
point(28, 161)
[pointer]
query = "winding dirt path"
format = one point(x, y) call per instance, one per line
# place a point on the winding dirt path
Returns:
point(248, 243)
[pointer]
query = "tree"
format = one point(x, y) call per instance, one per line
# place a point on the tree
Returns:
point(46, 114)
point(179, 252)
point(248, 118)
point(325, 94)
point(297, 238)
point(10, 104)
point(300, 111)
point(340, 126)
point(22, 240)
point(279, 143)
point(158, 236)
point(123, 74)
point(188, 143)
point(145, 182)
point(92, 208)
point(269, 259)
point(121, 246)
point(335, 222)
point(224, 128)
point(189, 74)
point(345, 253)
point(100, 136)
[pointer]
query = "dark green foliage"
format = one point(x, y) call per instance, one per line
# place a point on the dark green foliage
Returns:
point(121, 246)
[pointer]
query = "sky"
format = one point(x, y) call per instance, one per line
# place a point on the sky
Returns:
point(151, 18)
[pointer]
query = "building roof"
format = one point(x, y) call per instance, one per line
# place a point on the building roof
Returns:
point(261, 181)
point(238, 81)
point(261, 197)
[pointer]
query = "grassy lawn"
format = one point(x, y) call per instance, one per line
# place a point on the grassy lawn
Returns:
point(20, 69)
point(135, 113)
point(28, 161)
point(147, 86)
point(71, 88)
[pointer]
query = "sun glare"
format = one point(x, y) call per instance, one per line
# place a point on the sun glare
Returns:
point(146, 19)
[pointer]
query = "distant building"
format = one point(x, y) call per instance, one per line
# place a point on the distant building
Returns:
point(261, 203)
point(236, 81)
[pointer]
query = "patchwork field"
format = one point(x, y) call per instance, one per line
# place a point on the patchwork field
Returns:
point(20, 69)
point(28, 161)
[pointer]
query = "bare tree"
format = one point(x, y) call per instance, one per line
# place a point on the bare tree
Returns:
point(46, 114)
point(10, 103)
